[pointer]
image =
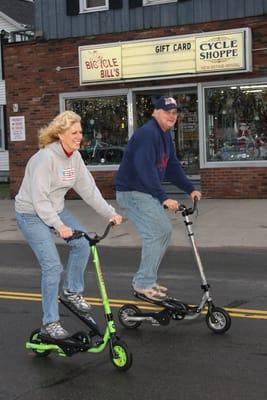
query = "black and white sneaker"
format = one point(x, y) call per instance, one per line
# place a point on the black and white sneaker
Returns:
point(54, 330)
point(77, 300)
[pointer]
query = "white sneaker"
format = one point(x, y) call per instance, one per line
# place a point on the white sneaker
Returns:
point(77, 300)
point(55, 330)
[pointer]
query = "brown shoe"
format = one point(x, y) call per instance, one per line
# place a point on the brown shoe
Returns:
point(160, 288)
point(151, 293)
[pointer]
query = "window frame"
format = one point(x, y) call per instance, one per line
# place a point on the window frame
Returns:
point(204, 163)
point(100, 93)
point(85, 9)
point(156, 2)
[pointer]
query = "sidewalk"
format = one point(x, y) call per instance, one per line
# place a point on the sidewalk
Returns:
point(220, 223)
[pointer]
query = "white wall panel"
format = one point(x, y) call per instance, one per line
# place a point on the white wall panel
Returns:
point(2, 93)
point(4, 161)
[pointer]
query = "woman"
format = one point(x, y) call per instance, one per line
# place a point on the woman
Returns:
point(56, 168)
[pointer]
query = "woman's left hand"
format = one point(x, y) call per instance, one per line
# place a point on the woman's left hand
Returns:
point(117, 219)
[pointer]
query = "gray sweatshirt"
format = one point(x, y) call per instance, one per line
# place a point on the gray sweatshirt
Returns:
point(49, 175)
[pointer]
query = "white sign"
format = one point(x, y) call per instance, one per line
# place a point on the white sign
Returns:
point(217, 52)
point(17, 129)
point(100, 64)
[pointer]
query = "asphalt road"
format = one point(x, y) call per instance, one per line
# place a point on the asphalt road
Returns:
point(181, 361)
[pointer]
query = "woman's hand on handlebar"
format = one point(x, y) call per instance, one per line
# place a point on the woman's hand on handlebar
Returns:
point(195, 194)
point(171, 204)
point(117, 219)
point(64, 231)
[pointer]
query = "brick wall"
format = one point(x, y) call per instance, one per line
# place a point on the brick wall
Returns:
point(234, 183)
point(34, 84)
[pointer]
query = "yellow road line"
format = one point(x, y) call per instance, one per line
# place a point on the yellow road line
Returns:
point(234, 312)
point(19, 298)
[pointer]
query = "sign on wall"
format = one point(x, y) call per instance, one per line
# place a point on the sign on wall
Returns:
point(221, 53)
point(101, 63)
point(205, 53)
point(17, 128)
point(158, 57)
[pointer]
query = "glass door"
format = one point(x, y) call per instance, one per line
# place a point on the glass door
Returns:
point(185, 131)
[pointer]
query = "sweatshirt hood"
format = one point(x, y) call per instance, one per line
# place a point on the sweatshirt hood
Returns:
point(57, 148)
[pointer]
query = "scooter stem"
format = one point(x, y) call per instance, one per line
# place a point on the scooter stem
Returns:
point(103, 292)
point(188, 225)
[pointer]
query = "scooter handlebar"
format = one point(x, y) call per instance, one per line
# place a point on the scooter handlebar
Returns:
point(189, 210)
point(95, 239)
point(184, 208)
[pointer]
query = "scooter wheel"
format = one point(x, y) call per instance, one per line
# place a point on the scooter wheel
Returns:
point(222, 320)
point(120, 355)
point(129, 310)
point(34, 338)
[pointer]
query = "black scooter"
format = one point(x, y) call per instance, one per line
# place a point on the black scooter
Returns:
point(217, 319)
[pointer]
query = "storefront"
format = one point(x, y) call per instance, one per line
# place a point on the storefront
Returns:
point(221, 132)
point(110, 117)
point(233, 129)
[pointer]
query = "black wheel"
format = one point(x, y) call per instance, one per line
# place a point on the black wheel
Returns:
point(34, 338)
point(129, 310)
point(83, 337)
point(120, 355)
point(222, 320)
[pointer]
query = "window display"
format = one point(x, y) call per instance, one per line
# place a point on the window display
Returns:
point(185, 131)
point(105, 127)
point(236, 123)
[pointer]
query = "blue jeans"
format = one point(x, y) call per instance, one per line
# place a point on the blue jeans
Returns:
point(41, 239)
point(153, 224)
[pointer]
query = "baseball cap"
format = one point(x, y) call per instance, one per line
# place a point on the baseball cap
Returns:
point(166, 103)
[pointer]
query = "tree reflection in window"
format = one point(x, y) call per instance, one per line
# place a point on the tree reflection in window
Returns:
point(236, 123)
point(105, 127)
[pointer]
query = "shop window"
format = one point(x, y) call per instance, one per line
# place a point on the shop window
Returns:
point(105, 128)
point(236, 123)
point(185, 132)
point(186, 136)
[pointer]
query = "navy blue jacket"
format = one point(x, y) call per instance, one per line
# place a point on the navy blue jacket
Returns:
point(148, 159)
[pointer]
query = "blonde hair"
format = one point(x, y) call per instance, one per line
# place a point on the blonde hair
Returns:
point(58, 125)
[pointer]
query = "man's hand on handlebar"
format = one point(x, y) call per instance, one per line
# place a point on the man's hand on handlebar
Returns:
point(117, 219)
point(171, 204)
point(175, 206)
point(195, 194)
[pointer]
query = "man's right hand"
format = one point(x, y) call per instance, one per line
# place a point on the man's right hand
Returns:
point(171, 204)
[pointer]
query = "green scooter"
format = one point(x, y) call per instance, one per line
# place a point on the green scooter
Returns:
point(93, 340)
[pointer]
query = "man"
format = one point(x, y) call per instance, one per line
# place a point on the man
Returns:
point(148, 159)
